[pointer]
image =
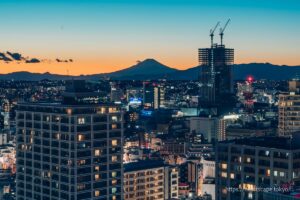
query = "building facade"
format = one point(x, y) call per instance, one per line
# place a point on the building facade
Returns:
point(150, 180)
point(289, 110)
point(289, 113)
point(69, 151)
point(245, 167)
point(216, 74)
point(153, 95)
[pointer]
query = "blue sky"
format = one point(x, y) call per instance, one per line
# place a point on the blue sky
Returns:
point(111, 34)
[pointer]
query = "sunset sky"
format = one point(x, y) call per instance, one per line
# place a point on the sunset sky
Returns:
point(108, 35)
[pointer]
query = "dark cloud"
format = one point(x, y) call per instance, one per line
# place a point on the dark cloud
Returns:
point(8, 57)
point(4, 57)
point(15, 56)
point(61, 60)
point(33, 60)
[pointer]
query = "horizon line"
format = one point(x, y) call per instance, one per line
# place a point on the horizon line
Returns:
point(99, 73)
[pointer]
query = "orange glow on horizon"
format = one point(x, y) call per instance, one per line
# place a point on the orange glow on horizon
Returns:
point(84, 67)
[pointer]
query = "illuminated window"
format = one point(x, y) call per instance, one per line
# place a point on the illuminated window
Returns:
point(114, 174)
point(268, 172)
point(81, 120)
point(248, 160)
point(114, 126)
point(275, 173)
point(250, 195)
point(101, 110)
point(80, 137)
point(114, 159)
point(69, 111)
point(97, 193)
point(114, 197)
point(232, 176)
point(114, 142)
point(267, 153)
point(97, 168)
point(81, 162)
point(224, 191)
point(112, 110)
point(113, 190)
point(281, 174)
point(114, 182)
point(114, 118)
point(224, 174)
point(97, 152)
point(224, 166)
point(97, 177)
point(249, 187)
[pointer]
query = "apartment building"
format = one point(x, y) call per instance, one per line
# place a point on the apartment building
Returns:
point(246, 167)
point(150, 180)
point(70, 150)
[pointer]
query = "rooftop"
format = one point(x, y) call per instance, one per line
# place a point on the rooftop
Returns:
point(143, 165)
point(276, 142)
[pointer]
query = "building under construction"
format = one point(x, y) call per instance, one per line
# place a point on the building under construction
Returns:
point(216, 78)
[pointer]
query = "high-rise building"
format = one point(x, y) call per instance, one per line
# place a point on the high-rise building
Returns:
point(245, 168)
point(152, 180)
point(116, 93)
point(216, 73)
point(289, 110)
point(153, 95)
point(216, 78)
point(70, 150)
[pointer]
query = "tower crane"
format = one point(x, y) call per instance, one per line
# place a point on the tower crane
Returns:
point(212, 33)
point(222, 31)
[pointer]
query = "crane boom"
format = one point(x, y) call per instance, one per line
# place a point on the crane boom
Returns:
point(212, 33)
point(222, 31)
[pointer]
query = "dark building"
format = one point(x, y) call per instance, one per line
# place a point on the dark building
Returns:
point(153, 95)
point(215, 75)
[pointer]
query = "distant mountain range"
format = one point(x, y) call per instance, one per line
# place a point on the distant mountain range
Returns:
point(151, 69)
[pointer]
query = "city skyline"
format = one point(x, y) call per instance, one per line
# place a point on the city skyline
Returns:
point(149, 99)
point(106, 36)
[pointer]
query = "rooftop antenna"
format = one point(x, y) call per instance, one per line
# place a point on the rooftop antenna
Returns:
point(212, 33)
point(222, 31)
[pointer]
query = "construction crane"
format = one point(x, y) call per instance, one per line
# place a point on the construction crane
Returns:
point(222, 31)
point(212, 33)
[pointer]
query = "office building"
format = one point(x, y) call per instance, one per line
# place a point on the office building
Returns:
point(70, 150)
point(116, 93)
point(245, 166)
point(216, 77)
point(216, 74)
point(153, 95)
point(206, 126)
